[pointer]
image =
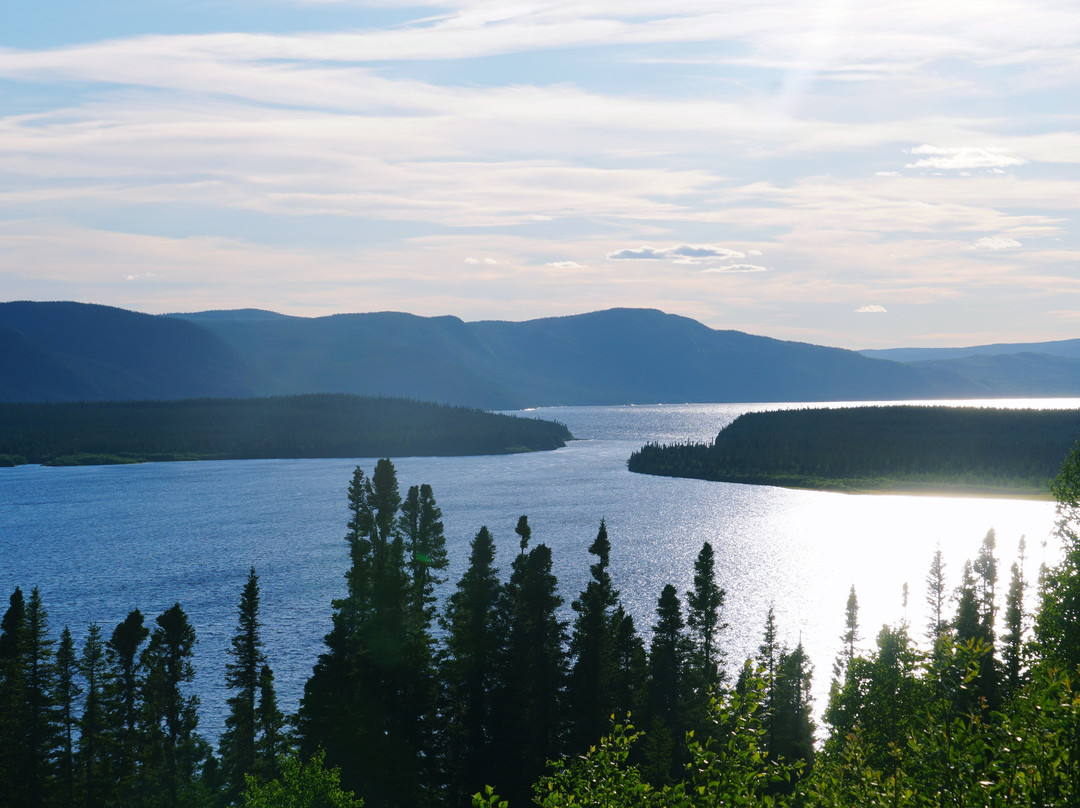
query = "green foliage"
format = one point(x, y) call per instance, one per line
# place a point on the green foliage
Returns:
point(871, 448)
point(301, 785)
point(292, 426)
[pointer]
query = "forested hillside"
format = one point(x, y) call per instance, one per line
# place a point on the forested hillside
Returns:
point(84, 352)
point(416, 702)
point(79, 352)
point(879, 448)
point(287, 426)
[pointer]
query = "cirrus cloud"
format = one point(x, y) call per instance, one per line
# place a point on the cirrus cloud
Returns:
point(872, 309)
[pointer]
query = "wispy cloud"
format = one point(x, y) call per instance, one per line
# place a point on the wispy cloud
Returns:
point(963, 157)
point(996, 243)
point(872, 309)
point(683, 253)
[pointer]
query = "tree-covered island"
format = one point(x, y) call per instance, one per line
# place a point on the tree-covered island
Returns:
point(897, 448)
point(278, 427)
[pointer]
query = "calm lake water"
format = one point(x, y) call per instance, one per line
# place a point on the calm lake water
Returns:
point(99, 541)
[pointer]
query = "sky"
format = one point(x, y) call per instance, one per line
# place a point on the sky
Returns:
point(856, 174)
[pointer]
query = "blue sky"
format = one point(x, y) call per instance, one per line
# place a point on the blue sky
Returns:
point(860, 174)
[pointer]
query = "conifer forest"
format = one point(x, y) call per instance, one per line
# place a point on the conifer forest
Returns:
point(500, 695)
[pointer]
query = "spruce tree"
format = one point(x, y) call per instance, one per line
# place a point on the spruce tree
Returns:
point(936, 597)
point(668, 654)
point(704, 604)
point(67, 695)
point(271, 743)
point(15, 722)
point(42, 730)
point(92, 762)
point(591, 691)
point(473, 648)
point(123, 700)
point(242, 671)
point(172, 749)
point(791, 729)
point(367, 702)
point(631, 664)
point(532, 670)
point(1012, 653)
point(848, 638)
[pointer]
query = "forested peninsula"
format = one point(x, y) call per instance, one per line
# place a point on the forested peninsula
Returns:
point(897, 448)
point(329, 425)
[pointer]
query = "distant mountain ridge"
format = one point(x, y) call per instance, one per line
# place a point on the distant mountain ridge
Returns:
point(74, 351)
point(1005, 369)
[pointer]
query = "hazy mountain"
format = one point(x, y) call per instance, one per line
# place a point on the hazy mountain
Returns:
point(79, 351)
point(606, 357)
point(65, 351)
point(1002, 369)
point(1067, 347)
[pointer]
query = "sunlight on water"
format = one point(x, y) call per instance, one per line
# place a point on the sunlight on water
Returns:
point(99, 541)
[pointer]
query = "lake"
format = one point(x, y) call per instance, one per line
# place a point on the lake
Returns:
point(99, 541)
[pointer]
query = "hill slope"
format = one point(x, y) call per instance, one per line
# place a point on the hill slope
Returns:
point(78, 351)
point(72, 351)
point(607, 357)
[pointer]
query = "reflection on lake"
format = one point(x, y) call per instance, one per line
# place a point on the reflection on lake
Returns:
point(99, 541)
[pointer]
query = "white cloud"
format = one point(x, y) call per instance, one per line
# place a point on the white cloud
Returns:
point(963, 157)
point(566, 265)
point(487, 261)
point(682, 254)
point(997, 243)
point(871, 309)
point(735, 268)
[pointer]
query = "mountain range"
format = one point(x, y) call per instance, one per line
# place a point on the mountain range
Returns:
point(74, 351)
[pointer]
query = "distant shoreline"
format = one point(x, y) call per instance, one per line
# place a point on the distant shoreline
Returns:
point(910, 450)
point(283, 427)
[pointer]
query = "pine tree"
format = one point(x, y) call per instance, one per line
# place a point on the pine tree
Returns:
point(591, 691)
point(42, 730)
point(936, 596)
point(849, 638)
point(15, 747)
point(242, 671)
point(473, 646)
point(791, 730)
point(67, 694)
point(668, 654)
point(703, 606)
point(532, 671)
point(368, 701)
point(271, 743)
point(92, 758)
point(425, 549)
point(631, 666)
point(121, 696)
point(173, 750)
point(1012, 654)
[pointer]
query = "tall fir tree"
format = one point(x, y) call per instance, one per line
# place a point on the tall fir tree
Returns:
point(367, 702)
point(172, 750)
point(122, 699)
point(791, 730)
point(936, 597)
point(704, 604)
point(532, 670)
point(42, 728)
point(473, 649)
point(242, 670)
point(848, 639)
point(94, 773)
point(1013, 638)
point(272, 742)
point(15, 748)
point(667, 689)
point(67, 697)
point(591, 690)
